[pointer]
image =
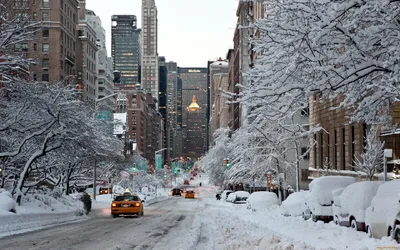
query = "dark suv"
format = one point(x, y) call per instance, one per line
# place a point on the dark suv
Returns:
point(176, 191)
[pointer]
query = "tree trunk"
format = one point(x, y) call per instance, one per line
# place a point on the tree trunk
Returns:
point(24, 174)
point(70, 170)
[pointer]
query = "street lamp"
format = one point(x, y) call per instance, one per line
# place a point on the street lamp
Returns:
point(95, 162)
point(155, 155)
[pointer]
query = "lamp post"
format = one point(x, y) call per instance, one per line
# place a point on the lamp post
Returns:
point(95, 161)
point(155, 155)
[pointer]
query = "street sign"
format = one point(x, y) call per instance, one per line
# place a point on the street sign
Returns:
point(158, 161)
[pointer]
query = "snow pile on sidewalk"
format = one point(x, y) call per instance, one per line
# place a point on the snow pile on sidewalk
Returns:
point(41, 203)
point(7, 203)
point(316, 235)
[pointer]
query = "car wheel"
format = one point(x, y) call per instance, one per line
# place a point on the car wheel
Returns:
point(369, 231)
point(353, 224)
point(390, 232)
point(114, 215)
point(141, 213)
point(396, 234)
point(314, 218)
point(336, 220)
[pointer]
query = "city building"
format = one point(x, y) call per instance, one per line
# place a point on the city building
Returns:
point(178, 141)
point(162, 98)
point(104, 65)
point(233, 78)
point(219, 117)
point(125, 48)
point(86, 50)
point(194, 106)
point(336, 149)
point(172, 118)
point(149, 69)
point(53, 46)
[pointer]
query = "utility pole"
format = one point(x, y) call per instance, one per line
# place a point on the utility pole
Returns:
point(94, 179)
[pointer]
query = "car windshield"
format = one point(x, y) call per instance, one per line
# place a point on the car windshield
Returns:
point(127, 197)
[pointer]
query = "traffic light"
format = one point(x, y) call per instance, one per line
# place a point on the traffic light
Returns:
point(228, 164)
point(165, 176)
point(134, 169)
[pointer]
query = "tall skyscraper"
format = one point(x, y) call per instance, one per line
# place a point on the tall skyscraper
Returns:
point(194, 107)
point(125, 48)
point(149, 69)
point(172, 118)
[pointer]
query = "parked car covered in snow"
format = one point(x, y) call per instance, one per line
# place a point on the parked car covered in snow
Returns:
point(225, 194)
point(319, 200)
point(238, 197)
point(396, 225)
point(349, 207)
point(293, 205)
point(262, 200)
point(381, 215)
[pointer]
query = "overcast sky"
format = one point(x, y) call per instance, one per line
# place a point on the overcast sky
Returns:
point(190, 32)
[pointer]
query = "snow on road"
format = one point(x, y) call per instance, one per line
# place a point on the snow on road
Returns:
point(204, 223)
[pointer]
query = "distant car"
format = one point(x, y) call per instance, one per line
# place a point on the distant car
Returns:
point(104, 190)
point(186, 182)
point(127, 204)
point(191, 178)
point(238, 197)
point(189, 194)
point(176, 191)
point(225, 194)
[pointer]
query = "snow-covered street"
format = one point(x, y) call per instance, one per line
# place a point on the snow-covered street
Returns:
point(201, 224)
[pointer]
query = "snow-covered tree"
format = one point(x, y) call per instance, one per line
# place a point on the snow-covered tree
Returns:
point(333, 49)
point(370, 161)
point(212, 162)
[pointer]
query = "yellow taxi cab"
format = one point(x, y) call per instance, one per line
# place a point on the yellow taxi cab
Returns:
point(189, 194)
point(127, 204)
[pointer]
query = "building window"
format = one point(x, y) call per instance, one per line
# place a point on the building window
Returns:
point(343, 149)
point(335, 149)
point(328, 148)
point(45, 33)
point(45, 63)
point(45, 77)
point(315, 151)
point(303, 152)
point(45, 47)
point(321, 150)
point(304, 174)
point(46, 3)
point(45, 16)
point(34, 47)
point(34, 77)
point(353, 142)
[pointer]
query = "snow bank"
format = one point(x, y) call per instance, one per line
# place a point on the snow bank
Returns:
point(40, 203)
point(262, 200)
point(293, 205)
point(7, 203)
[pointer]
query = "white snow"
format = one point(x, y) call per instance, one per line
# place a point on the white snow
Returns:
point(231, 197)
point(7, 203)
point(262, 200)
point(293, 205)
